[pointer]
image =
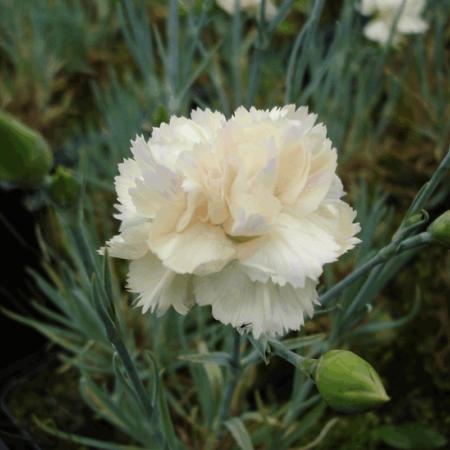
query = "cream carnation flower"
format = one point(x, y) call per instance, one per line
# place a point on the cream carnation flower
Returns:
point(240, 214)
point(385, 13)
point(251, 6)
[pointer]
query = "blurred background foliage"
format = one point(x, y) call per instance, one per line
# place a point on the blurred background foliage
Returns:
point(88, 76)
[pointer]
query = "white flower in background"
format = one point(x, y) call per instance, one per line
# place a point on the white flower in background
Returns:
point(240, 214)
point(385, 13)
point(250, 6)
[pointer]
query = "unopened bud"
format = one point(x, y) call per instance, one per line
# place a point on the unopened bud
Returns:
point(415, 218)
point(25, 157)
point(63, 187)
point(440, 229)
point(348, 383)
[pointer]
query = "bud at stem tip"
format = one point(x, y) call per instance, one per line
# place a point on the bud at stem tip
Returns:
point(348, 383)
point(440, 229)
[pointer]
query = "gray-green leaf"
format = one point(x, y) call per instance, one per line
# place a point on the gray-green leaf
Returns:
point(221, 358)
point(239, 432)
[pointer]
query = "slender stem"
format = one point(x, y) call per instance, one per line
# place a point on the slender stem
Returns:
point(253, 358)
point(407, 244)
point(255, 70)
point(426, 191)
point(283, 352)
point(236, 38)
point(142, 394)
point(430, 186)
point(396, 246)
point(124, 355)
point(359, 298)
point(134, 377)
point(235, 369)
point(263, 40)
point(383, 255)
point(349, 279)
point(306, 365)
point(303, 37)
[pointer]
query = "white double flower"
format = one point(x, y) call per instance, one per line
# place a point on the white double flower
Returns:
point(240, 214)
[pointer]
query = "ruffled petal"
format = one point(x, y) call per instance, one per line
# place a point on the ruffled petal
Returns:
point(128, 173)
point(294, 251)
point(321, 174)
point(209, 121)
point(131, 243)
point(199, 248)
point(265, 308)
point(336, 190)
point(180, 135)
point(158, 287)
point(337, 218)
point(157, 184)
point(252, 208)
point(293, 171)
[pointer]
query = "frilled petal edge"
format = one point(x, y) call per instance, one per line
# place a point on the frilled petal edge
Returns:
point(159, 288)
point(263, 308)
point(295, 250)
point(130, 243)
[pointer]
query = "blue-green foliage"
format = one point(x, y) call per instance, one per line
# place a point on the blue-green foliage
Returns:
point(141, 373)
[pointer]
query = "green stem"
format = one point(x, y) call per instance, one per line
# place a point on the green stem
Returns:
point(412, 242)
point(389, 252)
point(233, 378)
point(306, 365)
point(235, 369)
point(141, 394)
point(396, 246)
point(283, 352)
point(350, 279)
point(382, 256)
point(430, 186)
point(426, 191)
point(133, 375)
point(236, 38)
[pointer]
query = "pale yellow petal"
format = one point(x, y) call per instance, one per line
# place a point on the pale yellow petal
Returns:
point(199, 248)
point(337, 217)
point(320, 177)
point(295, 250)
point(252, 209)
point(131, 243)
point(262, 308)
point(158, 287)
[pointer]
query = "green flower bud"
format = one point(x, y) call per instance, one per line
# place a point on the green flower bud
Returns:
point(25, 157)
point(440, 229)
point(415, 218)
point(63, 187)
point(159, 116)
point(348, 383)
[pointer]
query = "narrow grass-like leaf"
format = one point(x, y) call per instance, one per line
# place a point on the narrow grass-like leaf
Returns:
point(66, 339)
point(239, 432)
point(220, 358)
point(375, 327)
point(83, 440)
